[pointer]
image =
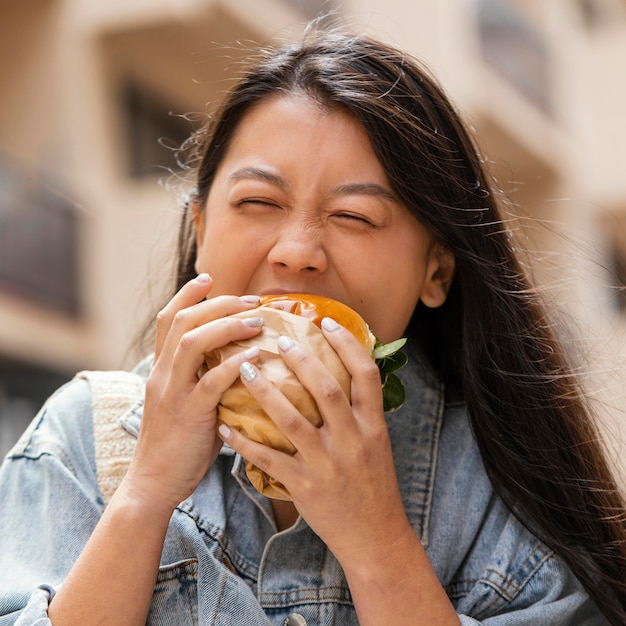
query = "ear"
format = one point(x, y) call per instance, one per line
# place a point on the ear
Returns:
point(197, 212)
point(439, 276)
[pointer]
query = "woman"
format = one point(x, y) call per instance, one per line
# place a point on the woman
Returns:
point(335, 167)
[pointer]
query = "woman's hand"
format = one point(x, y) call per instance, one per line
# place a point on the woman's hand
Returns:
point(177, 442)
point(342, 476)
point(343, 482)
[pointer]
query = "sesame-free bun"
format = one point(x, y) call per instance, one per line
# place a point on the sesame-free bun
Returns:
point(297, 316)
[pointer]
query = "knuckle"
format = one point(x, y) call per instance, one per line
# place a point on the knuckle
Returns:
point(262, 392)
point(291, 423)
point(180, 318)
point(298, 355)
point(263, 462)
point(224, 323)
point(331, 391)
point(361, 456)
point(162, 318)
point(379, 435)
point(308, 489)
point(153, 386)
point(186, 341)
point(370, 371)
point(205, 382)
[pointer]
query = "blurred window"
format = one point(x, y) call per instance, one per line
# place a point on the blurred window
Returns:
point(153, 132)
point(38, 243)
point(515, 49)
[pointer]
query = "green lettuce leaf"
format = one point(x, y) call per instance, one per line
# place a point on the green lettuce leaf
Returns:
point(390, 359)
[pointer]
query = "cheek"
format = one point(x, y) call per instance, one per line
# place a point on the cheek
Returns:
point(230, 260)
point(389, 316)
point(395, 287)
point(218, 243)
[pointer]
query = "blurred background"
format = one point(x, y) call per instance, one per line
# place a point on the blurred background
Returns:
point(95, 96)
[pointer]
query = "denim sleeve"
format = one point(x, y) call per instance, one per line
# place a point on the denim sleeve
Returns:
point(523, 583)
point(495, 571)
point(50, 504)
point(565, 603)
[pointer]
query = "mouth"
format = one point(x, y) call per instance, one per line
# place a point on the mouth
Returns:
point(277, 292)
point(281, 292)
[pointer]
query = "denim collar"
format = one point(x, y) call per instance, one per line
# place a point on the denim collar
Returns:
point(414, 431)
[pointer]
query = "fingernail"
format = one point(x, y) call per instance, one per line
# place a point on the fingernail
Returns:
point(251, 353)
point(203, 278)
point(247, 371)
point(329, 324)
point(285, 343)
point(255, 322)
point(224, 431)
point(250, 299)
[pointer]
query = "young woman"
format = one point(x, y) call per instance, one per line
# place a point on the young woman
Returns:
point(335, 167)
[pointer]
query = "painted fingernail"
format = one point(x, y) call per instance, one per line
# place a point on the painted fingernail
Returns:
point(329, 324)
point(255, 322)
point(251, 353)
point(285, 343)
point(247, 371)
point(203, 278)
point(250, 299)
point(224, 431)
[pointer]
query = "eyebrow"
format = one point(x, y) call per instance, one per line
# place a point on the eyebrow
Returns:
point(365, 189)
point(258, 173)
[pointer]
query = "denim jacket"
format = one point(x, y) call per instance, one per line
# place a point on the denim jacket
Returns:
point(225, 564)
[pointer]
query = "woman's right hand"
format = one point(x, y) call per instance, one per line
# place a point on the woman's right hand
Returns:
point(177, 441)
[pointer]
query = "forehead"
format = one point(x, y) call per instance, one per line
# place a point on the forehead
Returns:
point(296, 127)
point(296, 108)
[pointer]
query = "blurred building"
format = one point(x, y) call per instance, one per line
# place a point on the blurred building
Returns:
point(96, 96)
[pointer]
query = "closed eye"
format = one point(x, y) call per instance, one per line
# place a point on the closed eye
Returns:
point(355, 218)
point(259, 202)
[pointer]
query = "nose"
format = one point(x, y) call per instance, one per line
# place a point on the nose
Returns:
point(298, 248)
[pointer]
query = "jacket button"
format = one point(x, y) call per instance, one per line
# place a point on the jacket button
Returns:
point(295, 619)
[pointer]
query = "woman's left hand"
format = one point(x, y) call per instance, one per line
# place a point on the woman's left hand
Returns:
point(342, 478)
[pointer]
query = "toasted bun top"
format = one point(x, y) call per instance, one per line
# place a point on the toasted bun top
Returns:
point(316, 308)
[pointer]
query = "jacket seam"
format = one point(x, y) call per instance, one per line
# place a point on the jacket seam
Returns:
point(461, 588)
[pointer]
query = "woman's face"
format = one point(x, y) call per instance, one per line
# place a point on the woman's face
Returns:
point(300, 203)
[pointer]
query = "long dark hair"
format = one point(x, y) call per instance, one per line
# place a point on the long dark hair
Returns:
point(536, 436)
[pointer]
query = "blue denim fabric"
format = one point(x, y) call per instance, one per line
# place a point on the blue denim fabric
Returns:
point(223, 562)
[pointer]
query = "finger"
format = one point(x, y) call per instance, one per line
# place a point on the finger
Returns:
point(274, 463)
point(192, 317)
point(216, 381)
point(366, 386)
point(297, 429)
point(329, 395)
point(191, 293)
point(173, 323)
point(191, 349)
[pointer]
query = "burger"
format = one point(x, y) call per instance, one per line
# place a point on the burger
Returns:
point(297, 316)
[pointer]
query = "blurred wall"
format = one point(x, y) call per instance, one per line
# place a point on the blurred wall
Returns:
point(95, 95)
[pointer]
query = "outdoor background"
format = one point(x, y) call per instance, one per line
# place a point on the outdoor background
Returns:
point(95, 95)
